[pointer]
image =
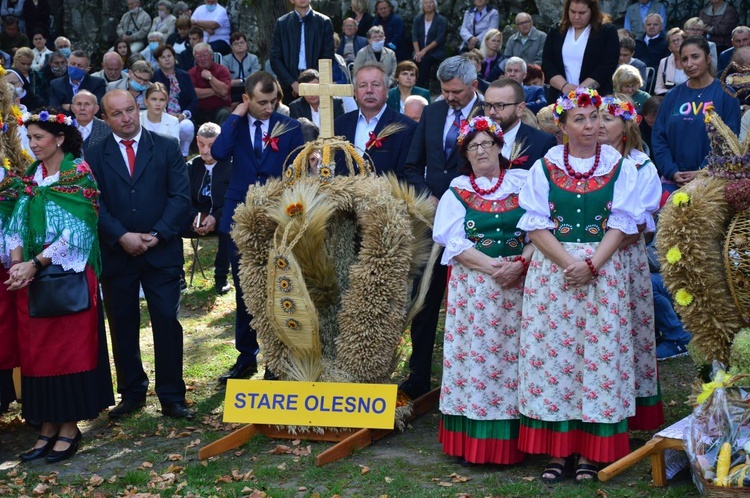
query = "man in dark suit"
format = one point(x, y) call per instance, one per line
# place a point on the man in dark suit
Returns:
point(308, 106)
point(143, 203)
point(351, 43)
point(62, 89)
point(433, 161)
point(652, 47)
point(93, 130)
point(740, 38)
point(503, 102)
point(364, 127)
point(533, 96)
point(288, 38)
point(250, 138)
point(209, 180)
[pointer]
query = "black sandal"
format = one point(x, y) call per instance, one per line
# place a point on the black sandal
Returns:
point(586, 472)
point(556, 469)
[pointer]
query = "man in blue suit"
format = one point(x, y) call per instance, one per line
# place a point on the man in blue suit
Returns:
point(249, 137)
point(350, 43)
point(364, 127)
point(533, 96)
point(524, 144)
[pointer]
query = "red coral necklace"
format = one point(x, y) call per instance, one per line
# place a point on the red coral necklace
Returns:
point(488, 191)
point(585, 174)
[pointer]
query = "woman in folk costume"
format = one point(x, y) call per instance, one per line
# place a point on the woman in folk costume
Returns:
point(10, 189)
point(619, 129)
point(576, 369)
point(63, 358)
point(476, 223)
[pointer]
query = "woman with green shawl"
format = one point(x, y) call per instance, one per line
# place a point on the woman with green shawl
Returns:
point(10, 189)
point(55, 223)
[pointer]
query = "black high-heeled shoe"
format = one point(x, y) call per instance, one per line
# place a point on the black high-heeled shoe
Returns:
point(59, 456)
point(40, 452)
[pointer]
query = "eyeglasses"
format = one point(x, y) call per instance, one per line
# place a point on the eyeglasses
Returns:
point(523, 23)
point(484, 145)
point(500, 106)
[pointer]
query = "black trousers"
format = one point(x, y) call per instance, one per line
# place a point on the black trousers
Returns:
point(424, 326)
point(162, 289)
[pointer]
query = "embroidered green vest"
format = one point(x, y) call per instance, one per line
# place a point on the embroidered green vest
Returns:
point(491, 225)
point(580, 208)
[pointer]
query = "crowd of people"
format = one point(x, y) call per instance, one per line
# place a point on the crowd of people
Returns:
point(547, 161)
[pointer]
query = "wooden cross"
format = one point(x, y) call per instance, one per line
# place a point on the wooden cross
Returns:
point(326, 89)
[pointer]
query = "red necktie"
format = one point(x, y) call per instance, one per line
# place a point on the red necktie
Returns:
point(131, 154)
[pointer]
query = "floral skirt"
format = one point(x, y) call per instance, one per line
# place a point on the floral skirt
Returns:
point(649, 409)
point(577, 371)
point(478, 396)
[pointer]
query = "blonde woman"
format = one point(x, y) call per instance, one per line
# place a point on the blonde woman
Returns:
point(493, 62)
point(627, 79)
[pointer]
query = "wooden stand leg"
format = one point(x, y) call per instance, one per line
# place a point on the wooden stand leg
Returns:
point(658, 469)
point(230, 442)
point(628, 461)
point(17, 382)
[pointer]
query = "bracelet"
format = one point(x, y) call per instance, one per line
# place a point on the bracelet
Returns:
point(36, 263)
point(523, 261)
point(593, 269)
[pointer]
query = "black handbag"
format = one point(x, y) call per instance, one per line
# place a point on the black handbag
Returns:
point(56, 292)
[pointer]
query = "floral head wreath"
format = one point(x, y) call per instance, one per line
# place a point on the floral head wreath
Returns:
point(479, 123)
point(27, 117)
point(620, 108)
point(580, 97)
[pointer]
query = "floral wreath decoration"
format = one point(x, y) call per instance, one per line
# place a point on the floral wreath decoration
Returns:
point(479, 123)
point(580, 97)
point(620, 108)
point(27, 117)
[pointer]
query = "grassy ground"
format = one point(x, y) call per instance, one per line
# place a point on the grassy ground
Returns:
point(150, 455)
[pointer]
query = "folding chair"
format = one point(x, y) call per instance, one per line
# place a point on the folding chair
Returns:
point(194, 244)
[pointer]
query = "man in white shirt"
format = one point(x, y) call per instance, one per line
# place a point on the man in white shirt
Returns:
point(93, 130)
point(213, 19)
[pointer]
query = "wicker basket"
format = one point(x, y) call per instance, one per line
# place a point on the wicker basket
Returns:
point(737, 262)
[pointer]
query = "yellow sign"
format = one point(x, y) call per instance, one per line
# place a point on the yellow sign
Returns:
point(371, 406)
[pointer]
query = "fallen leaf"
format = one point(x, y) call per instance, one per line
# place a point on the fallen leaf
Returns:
point(174, 457)
point(112, 479)
point(226, 479)
point(445, 484)
point(365, 469)
point(96, 480)
point(389, 480)
point(193, 443)
point(282, 466)
point(40, 489)
point(602, 493)
point(458, 478)
point(296, 442)
point(302, 488)
point(239, 453)
point(280, 449)
point(529, 478)
point(146, 465)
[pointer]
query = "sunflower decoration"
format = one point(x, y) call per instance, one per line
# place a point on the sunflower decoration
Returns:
point(293, 324)
point(295, 210)
point(287, 305)
point(325, 173)
point(284, 284)
point(704, 263)
point(282, 263)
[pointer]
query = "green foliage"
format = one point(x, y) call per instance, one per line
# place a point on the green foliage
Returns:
point(739, 354)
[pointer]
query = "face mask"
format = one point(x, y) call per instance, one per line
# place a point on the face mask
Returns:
point(378, 45)
point(65, 51)
point(58, 70)
point(162, 14)
point(153, 46)
point(134, 11)
point(20, 92)
point(138, 87)
point(211, 7)
point(75, 73)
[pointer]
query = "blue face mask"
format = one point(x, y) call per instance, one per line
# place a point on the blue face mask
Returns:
point(138, 87)
point(377, 46)
point(76, 73)
point(65, 51)
point(211, 7)
point(153, 46)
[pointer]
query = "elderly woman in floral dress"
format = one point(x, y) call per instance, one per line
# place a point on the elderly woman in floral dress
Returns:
point(576, 373)
point(476, 223)
point(619, 129)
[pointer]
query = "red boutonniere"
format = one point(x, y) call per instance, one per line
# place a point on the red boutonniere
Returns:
point(374, 140)
point(272, 142)
point(519, 160)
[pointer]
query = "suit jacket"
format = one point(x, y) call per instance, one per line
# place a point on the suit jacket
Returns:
point(438, 32)
point(394, 96)
point(531, 51)
point(724, 59)
point(426, 167)
point(187, 97)
point(99, 132)
point(534, 96)
point(534, 144)
point(286, 41)
point(60, 91)
point(359, 43)
point(652, 53)
point(299, 108)
point(234, 143)
point(395, 39)
point(392, 155)
point(600, 58)
point(214, 206)
point(157, 198)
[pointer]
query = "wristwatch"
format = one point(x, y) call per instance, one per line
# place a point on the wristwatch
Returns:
point(154, 233)
point(210, 78)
